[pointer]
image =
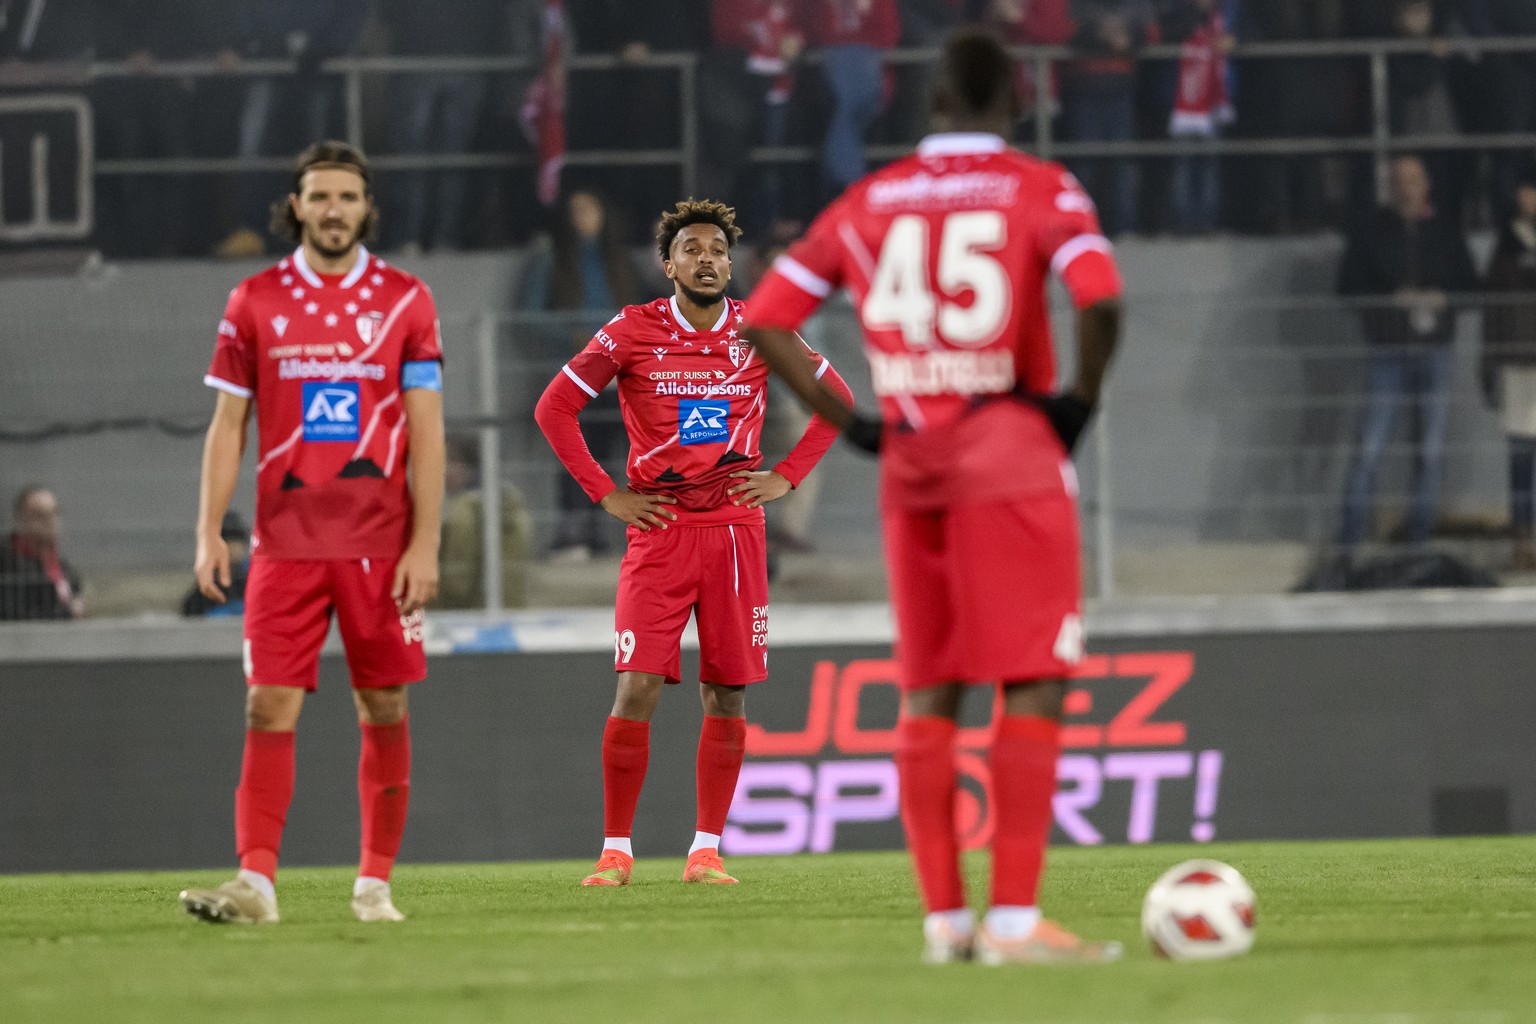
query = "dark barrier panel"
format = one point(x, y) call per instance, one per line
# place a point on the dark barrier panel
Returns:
point(1270, 735)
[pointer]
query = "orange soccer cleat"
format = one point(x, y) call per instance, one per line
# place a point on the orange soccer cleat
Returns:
point(705, 866)
point(613, 868)
point(1048, 943)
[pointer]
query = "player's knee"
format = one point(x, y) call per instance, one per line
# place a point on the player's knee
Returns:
point(272, 709)
point(384, 706)
point(724, 701)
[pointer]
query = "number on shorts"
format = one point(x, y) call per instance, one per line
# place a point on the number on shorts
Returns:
point(623, 646)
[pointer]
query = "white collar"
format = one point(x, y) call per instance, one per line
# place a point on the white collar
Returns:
point(358, 269)
point(958, 143)
point(682, 321)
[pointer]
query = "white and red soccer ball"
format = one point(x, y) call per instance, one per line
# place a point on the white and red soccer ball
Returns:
point(1199, 910)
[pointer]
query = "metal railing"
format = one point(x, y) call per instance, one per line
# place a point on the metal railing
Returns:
point(1378, 140)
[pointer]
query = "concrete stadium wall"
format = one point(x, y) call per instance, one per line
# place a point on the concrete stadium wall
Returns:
point(1199, 448)
point(1342, 717)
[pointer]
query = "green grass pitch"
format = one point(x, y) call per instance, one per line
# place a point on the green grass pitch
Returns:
point(1386, 932)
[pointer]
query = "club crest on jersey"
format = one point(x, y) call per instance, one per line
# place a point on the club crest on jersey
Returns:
point(738, 354)
point(280, 324)
point(331, 411)
point(700, 422)
point(368, 326)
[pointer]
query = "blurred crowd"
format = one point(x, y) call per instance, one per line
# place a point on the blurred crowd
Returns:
point(756, 87)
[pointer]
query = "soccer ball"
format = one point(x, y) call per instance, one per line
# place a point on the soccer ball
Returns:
point(1199, 910)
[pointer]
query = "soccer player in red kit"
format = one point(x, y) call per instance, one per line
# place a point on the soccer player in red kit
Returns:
point(340, 356)
point(693, 394)
point(946, 253)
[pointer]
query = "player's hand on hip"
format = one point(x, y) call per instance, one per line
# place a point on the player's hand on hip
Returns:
point(758, 486)
point(212, 567)
point(641, 511)
point(415, 582)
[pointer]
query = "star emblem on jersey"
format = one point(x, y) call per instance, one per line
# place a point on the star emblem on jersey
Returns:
point(366, 293)
point(376, 279)
point(730, 334)
point(706, 350)
point(297, 293)
point(287, 279)
point(311, 308)
point(330, 319)
point(674, 335)
point(351, 308)
point(739, 318)
point(279, 324)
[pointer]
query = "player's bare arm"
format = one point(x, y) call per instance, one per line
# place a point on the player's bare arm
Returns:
point(222, 449)
point(784, 353)
point(642, 511)
point(1098, 332)
point(415, 582)
point(758, 486)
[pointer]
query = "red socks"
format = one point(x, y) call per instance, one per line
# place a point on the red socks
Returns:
point(925, 759)
point(626, 752)
point(383, 791)
point(1024, 753)
point(722, 742)
point(262, 798)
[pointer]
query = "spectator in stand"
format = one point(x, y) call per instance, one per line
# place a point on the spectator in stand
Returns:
point(582, 271)
point(851, 34)
point(438, 112)
point(1101, 103)
point(1032, 23)
point(1405, 262)
point(1202, 107)
point(234, 533)
point(461, 583)
point(632, 106)
point(35, 580)
point(1509, 361)
point(1422, 102)
point(144, 116)
point(277, 114)
point(744, 100)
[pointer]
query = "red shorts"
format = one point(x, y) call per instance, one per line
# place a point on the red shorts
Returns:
point(986, 593)
point(718, 573)
point(288, 606)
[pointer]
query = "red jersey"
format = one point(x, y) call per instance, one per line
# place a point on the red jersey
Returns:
point(325, 357)
point(693, 404)
point(946, 255)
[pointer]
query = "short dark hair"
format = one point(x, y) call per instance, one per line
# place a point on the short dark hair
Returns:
point(975, 75)
point(696, 211)
point(326, 155)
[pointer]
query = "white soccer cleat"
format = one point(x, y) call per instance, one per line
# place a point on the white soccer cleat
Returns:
point(371, 902)
point(235, 902)
point(943, 943)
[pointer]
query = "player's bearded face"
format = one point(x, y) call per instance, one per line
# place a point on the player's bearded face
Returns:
point(332, 206)
point(701, 263)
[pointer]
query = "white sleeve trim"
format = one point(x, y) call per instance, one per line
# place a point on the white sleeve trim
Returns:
point(802, 277)
point(223, 385)
point(566, 369)
point(1075, 247)
point(823, 368)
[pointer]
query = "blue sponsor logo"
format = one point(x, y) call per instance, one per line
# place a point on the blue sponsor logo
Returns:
point(702, 422)
point(331, 411)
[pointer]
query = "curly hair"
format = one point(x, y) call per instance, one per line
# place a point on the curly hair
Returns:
point(328, 155)
point(696, 211)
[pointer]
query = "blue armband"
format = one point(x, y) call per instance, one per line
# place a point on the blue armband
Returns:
point(426, 373)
